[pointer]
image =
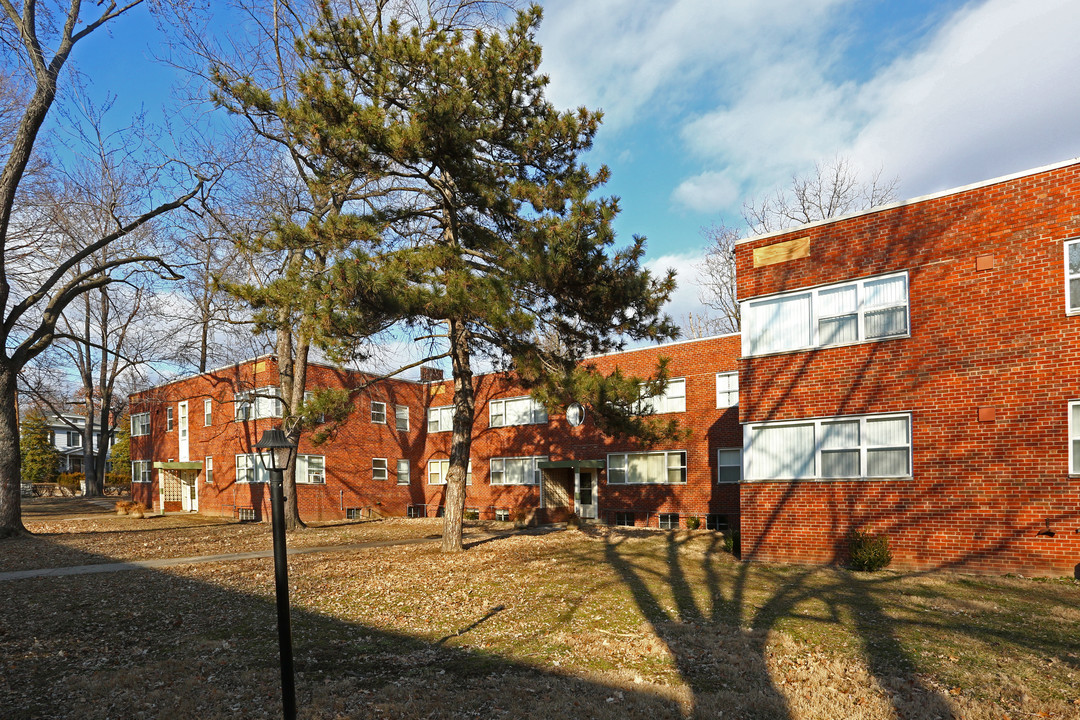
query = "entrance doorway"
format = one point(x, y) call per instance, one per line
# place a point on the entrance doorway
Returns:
point(585, 494)
point(189, 491)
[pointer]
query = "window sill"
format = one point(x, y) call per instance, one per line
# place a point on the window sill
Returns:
point(826, 347)
point(829, 480)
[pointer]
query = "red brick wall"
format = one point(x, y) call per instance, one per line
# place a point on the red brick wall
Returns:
point(994, 338)
point(349, 482)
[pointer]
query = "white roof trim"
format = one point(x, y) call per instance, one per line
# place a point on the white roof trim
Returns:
point(912, 201)
point(661, 345)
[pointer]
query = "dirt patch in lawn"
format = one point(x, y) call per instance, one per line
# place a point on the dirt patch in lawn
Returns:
point(569, 624)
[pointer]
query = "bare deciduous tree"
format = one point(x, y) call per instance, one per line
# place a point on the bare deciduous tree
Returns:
point(40, 273)
point(833, 189)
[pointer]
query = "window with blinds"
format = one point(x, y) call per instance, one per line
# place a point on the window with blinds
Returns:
point(868, 309)
point(871, 446)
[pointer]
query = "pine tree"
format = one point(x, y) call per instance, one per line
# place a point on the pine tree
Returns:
point(40, 458)
point(120, 454)
point(492, 239)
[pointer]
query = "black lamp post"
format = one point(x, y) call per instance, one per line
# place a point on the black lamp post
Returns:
point(274, 448)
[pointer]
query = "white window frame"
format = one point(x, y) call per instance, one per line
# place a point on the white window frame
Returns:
point(665, 402)
point(814, 319)
point(208, 469)
point(140, 424)
point(1074, 438)
point(749, 473)
point(267, 402)
point(378, 412)
point(536, 412)
point(438, 469)
point(243, 407)
point(379, 469)
point(402, 470)
point(208, 412)
point(252, 469)
point(141, 471)
point(497, 470)
point(401, 417)
point(1072, 300)
point(311, 469)
point(440, 419)
point(725, 391)
point(169, 419)
point(720, 465)
point(618, 466)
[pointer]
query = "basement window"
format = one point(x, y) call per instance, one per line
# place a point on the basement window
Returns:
point(245, 514)
point(352, 513)
point(502, 515)
point(669, 521)
point(624, 519)
point(716, 522)
point(472, 514)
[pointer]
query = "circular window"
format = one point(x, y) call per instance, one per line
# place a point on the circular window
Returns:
point(575, 414)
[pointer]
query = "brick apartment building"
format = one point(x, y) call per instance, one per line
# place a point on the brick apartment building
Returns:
point(914, 370)
point(192, 441)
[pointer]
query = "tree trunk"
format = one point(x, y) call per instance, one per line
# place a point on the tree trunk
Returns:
point(461, 442)
point(10, 456)
point(292, 369)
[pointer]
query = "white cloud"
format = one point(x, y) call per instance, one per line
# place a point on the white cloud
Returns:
point(635, 56)
point(685, 298)
point(995, 90)
point(707, 191)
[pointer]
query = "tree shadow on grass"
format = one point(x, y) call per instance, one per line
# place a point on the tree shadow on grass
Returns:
point(154, 644)
point(720, 640)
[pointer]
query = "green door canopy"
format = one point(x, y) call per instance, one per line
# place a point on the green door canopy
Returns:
point(572, 464)
point(178, 466)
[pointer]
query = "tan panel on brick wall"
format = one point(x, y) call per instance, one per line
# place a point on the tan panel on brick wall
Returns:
point(556, 488)
point(782, 252)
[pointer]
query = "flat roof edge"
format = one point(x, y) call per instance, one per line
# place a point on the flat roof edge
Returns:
point(913, 201)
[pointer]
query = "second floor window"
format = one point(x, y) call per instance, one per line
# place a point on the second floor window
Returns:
point(440, 419)
point(1072, 276)
point(673, 399)
point(378, 413)
point(168, 419)
point(516, 411)
point(727, 389)
point(401, 417)
point(870, 309)
point(140, 424)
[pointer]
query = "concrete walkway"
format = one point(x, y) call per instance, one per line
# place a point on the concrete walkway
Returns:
point(231, 557)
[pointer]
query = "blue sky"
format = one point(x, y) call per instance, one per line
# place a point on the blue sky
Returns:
point(708, 103)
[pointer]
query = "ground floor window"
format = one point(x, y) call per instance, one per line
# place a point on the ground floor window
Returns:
point(729, 465)
point(472, 514)
point(140, 470)
point(516, 470)
point(311, 469)
point(669, 521)
point(624, 519)
point(651, 467)
point(249, 469)
point(438, 470)
point(849, 446)
point(208, 469)
point(1074, 437)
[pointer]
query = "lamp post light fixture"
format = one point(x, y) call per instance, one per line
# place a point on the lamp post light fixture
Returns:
point(274, 449)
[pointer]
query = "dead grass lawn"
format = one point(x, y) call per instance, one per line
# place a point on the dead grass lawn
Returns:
point(590, 624)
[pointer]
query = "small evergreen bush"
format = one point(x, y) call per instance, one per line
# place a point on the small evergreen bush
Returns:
point(693, 522)
point(869, 553)
point(731, 542)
